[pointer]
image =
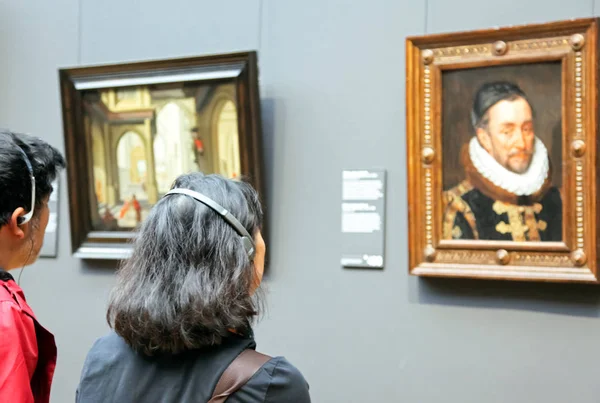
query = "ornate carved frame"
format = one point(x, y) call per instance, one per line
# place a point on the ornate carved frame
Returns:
point(574, 43)
point(240, 68)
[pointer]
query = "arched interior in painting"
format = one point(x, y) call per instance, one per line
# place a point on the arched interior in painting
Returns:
point(99, 160)
point(172, 143)
point(132, 166)
point(226, 139)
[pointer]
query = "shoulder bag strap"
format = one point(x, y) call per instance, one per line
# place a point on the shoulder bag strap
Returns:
point(237, 374)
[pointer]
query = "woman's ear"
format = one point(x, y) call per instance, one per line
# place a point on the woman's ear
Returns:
point(13, 223)
point(259, 262)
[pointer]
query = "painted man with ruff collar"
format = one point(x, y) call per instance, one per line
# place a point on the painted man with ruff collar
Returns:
point(507, 194)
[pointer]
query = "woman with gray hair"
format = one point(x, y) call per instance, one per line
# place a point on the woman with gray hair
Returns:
point(184, 303)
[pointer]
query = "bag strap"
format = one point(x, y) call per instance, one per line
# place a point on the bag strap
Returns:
point(237, 374)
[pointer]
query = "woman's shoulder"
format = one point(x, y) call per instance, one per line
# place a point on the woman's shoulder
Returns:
point(110, 340)
point(278, 380)
point(109, 350)
point(282, 370)
point(14, 311)
point(109, 347)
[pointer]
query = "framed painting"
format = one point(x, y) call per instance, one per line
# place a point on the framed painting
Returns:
point(131, 129)
point(502, 152)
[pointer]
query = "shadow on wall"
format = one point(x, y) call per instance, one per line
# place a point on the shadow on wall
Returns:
point(562, 299)
point(268, 107)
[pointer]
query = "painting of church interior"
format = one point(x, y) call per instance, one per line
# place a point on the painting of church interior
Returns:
point(143, 137)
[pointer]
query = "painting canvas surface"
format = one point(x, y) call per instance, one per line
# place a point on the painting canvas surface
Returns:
point(502, 153)
point(142, 138)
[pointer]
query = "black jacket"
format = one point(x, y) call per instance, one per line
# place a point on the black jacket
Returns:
point(487, 219)
point(113, 372)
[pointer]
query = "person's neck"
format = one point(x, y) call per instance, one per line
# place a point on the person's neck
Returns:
point(6, 253)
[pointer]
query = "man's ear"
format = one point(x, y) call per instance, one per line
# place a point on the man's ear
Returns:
point(484, 139)
point(13, 223)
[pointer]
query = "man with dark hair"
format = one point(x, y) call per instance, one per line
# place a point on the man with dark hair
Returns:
point(508, 193)
point(28, 166)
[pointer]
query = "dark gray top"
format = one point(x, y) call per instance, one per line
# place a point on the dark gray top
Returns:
point(113, 372)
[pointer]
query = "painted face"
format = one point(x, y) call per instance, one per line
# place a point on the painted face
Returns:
point(509, 137)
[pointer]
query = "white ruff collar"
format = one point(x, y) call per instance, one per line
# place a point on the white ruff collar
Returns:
point(523, 184)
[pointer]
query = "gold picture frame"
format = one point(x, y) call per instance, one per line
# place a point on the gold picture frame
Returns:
point(557, 63)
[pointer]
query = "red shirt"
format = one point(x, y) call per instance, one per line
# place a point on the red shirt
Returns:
point(27, 350)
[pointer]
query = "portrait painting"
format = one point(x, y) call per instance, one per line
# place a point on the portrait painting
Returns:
point(132, 129)
point(501, 148)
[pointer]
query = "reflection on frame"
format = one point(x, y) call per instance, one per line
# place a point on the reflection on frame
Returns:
point(144, 137)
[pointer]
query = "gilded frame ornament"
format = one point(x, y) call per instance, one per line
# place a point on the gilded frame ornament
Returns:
point(574, 44)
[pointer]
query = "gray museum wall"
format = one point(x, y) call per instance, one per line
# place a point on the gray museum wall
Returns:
point(332, 82)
